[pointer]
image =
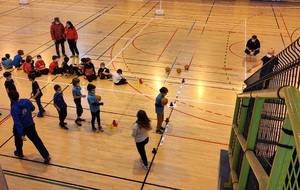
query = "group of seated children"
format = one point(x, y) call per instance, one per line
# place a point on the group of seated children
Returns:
point(86, 67)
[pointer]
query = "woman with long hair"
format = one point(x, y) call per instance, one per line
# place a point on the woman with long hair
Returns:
point(72, 37)
point(140, 134)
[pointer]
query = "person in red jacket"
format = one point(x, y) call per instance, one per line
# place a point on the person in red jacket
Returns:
point(53, 67)
point(41, 66)
point(29, 68)
point(58, 36)
point(72, 37)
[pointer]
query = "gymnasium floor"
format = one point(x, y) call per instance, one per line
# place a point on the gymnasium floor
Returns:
point(209, 36)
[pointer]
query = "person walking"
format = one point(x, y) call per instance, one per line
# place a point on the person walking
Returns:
point(57, 34)
point(21, 112)
point(140, 134)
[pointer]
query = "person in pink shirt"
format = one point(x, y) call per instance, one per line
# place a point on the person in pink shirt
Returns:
point(72, 37)
point(41, 66)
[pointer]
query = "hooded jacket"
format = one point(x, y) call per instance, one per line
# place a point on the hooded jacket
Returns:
point(57, 31)
point(21, 112)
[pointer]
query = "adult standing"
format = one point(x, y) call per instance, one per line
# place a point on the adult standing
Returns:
point(57, 30)
point(72, 37)
point(253, 46)
point(21, 112)
point(269, 63)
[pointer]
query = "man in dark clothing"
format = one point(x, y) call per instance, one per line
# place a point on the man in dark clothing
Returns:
point(21, 112)
point(57, 34)
point(253, 46)
point(266, 68)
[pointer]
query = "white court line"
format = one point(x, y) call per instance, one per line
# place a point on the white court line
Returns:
point(127, 92)
point(164, 135)
point(129, 42)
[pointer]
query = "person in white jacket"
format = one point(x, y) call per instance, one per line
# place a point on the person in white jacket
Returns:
point(140, 134)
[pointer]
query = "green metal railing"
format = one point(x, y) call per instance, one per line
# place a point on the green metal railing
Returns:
point(285, 169)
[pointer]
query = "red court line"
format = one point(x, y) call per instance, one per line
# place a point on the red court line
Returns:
point(285, 26)
point(167, 44)
point(209, 121)
point(233, 52)
point(201, 140)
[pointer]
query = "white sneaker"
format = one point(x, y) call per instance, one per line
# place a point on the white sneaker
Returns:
point(144, 167)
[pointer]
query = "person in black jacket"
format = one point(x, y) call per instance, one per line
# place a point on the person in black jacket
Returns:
point(253, 46)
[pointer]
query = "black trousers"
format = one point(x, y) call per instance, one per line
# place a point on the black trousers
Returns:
point(248, 52)
point(73, 47)
point(122, 81)
point(31, 133)
point(62, 43)
point(90, 78)
point(79, 109)
point(141, 149)
point(95, 115)
point(62, 115)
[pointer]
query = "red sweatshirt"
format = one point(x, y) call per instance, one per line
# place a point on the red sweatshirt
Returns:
point(52, 66)
point(71, 34)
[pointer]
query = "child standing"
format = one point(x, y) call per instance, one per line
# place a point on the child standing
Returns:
point(36, 94)
point(89, 70)
point(9, 84)
point(77, 99)
point(61, 106)
point(118, 78)
point(159, 109)
point(140, 134)
point(53, 67)
point(104, 72)
point(94, 107)
point(41, 66)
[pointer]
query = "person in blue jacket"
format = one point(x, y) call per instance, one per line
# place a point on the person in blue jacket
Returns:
point(21, 112)
point(94, 107)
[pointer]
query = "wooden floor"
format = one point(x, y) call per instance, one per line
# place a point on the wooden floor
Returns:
point(207, 35)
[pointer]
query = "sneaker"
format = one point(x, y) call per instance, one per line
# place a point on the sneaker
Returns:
point(77, 121)
point(80, 119)
point(47, 160)
point(100, 129)
point(18, 155)
point(162, 128)
point(159, 131)
point(144, 167)
point(63, 127)
point(95, 130)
